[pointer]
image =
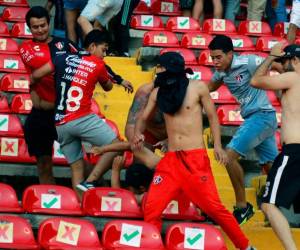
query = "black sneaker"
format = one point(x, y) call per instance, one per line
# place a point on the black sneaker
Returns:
point(242, 215)
point(85, 186)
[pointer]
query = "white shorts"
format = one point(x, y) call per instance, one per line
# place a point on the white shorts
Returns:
point(102, 10)
point(295, 15)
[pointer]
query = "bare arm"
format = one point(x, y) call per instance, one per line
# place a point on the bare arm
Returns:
point(117, 166)
point(107, 86)
point(212, 86)
point(113, 147)
point(39, 73)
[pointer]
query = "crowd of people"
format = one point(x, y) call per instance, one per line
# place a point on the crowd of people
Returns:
point(165, 114)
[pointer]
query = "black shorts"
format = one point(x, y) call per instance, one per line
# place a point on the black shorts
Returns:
point(186, 4)
point(40, 132)
point(283, 182)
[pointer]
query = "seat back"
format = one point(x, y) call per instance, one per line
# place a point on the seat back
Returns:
point(242, 43)
point(230, 115)
point(223, 96)
point(182, 24)
point(188, 55)
point(4, 107)
point(218, 26)
point(266, 43)
point(205, 58)
point(142, 9)
point(14, 14)
point(281, 29)
point(4, 29)
point(254, 28)
point(114, 202)
point(21, 104)
point(12, 63)
point(160, 39)
point(201, 73)
point(8, 46)
point(146, 22)
point(68, 233)
point(182, 236)
point(20, 3)
point(8, 200)
point(10, 125)
point(51, 199)
point(129, 234)
point(16, 233)
point(165, 7)
point(13, 82)
point(196, 40)
point(21, 30)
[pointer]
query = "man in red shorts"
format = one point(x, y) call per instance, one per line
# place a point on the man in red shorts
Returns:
point(186, 165)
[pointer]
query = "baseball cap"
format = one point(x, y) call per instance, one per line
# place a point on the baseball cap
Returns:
point(290, 51)
point(173, 62)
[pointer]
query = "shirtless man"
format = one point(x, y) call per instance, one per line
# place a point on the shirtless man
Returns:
point(186, 165)
point(283, 182)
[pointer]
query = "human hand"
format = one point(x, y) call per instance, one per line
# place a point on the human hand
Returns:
point(127, 86)
point(137, 142)
point(220, 155)
point(118, 163)
point(277, 50)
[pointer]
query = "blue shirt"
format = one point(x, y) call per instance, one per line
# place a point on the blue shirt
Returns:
point(237, 79)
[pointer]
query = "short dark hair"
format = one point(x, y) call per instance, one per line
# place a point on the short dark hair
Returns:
point(97, 37)
point(37, 12)
point(138, 175)
point(221, 42)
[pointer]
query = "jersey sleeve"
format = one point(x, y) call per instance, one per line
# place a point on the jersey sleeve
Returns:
point(26, 54)
point(102, 73)
point(254, 62)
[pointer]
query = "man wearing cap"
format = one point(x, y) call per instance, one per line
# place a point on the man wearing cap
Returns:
point(258, 129)
point(283, 182)
point(185, 167)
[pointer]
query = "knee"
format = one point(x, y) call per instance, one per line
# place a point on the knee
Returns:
point(81, 20)
point(267, 208)
point(232, 156)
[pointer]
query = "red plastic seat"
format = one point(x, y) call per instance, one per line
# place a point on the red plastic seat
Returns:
point(223, 96)
point(4, 29)
point(195, 40)
point(16, 233)
point(11, 63)
point(14, 14)
point(205, 58)
point(112, 202)
point(242, 43)
point(160, 39)
point(20, 30)
point(219, 26)
point(281, 29)
point(266, 43)
point(182, 236)
point(12, 82)
point(182, 24)
point(20, 3)
point(4, 108)
point(254, 28)
point(146, 22)
point(14, 150)
point(8, 46)
point(273, 98)
point(21, 104)
point(257, 53)
point(188, 55)
point(8, 200)
point(58, 156)
point(51, 199)
point(201, 73)
point(68, 234)
point(10, 125)
point(142, 9)
point(130, 235)
point(165, 7)
point(230, 115)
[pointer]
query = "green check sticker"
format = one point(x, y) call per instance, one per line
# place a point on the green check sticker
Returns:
point(147, 20)
point(131, 235)
point(194, 238)
point(11, 64)
point(50, 201)
point(3, 123)
point(183, 22)
point(238, 43)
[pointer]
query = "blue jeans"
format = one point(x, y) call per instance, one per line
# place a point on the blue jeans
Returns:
point(258, 133)
point(231, 9)
point(276, 15)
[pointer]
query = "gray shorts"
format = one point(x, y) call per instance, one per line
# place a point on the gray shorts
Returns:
point(90, 128)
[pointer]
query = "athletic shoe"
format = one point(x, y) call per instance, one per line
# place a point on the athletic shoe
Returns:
point(85, 186)
point(242, 215)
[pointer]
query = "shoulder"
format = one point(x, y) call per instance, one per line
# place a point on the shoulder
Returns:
point(198, 85)
point(145, 89)
point(25, 45)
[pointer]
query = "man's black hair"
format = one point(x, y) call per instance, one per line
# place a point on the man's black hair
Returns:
point(221, 42)
point(138, 175)
point(37, 12)
point(97, 37)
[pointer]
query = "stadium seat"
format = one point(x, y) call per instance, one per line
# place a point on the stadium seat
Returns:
point(68, 234)
point(254, 28)
point(273, 98)
point(8, 200)
point(257, 53)
point(281, 29)
point(242, 43)
point(111, 202)
point(20, 30)
point(4, 108)
point(130, 234)
point(51, 199)
point(4, 29)
point(219, 26)
point(16, 233)
point(12, 82)
point(188, 55)
point(142, 9)
point(196, 40)
point(266, 43)
point(21, 104)
point(201, 73)
point(165, 8)
point(182, 24)
point(57, 155)
point(180, 208)
point(8, 46)
point(20, 3)
point(160, 39)
point(14, 150)
point(230, 115)
point(11, 63)
point(180, 236)
point(278, 140)
point(205, 58)
point(10, 125)
point(223, 96)
point(14, 14)
point(146, 22)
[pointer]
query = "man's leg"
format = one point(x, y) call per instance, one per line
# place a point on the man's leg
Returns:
point(44, 165)
point(294, 22)
point(77, 168)
point(291, 35)
point(280, 225)
point(197, 10)
point(218, 8)
point(256, 9)
point(71, 22)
